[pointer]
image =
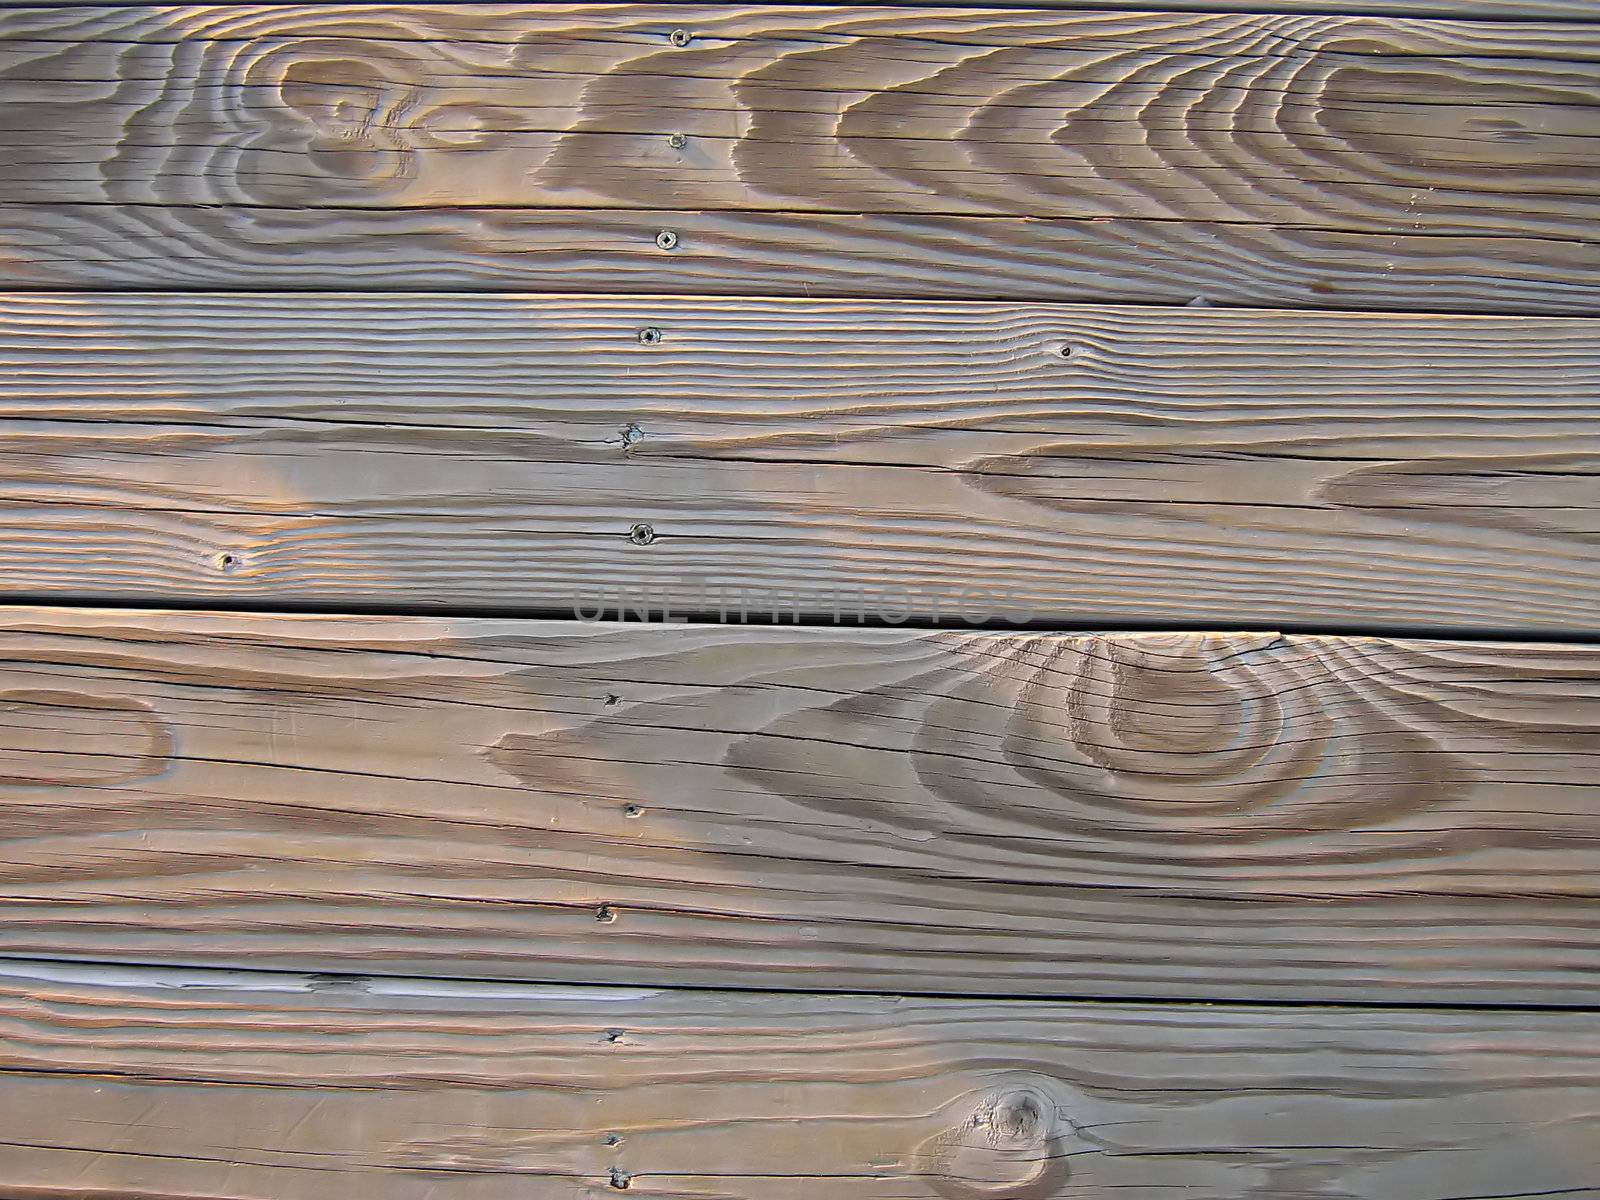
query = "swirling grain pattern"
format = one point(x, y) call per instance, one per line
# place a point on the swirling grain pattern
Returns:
point(1322, 122)
point(1202, 467)
point(1151, 815)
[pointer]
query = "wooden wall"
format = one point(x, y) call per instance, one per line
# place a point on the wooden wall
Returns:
point(1104, 504)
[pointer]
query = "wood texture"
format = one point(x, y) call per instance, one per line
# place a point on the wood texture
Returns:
point(1157, 815)
point(791, 254)
point(166, 1084)
point(1200, 467)
point(1294, 156)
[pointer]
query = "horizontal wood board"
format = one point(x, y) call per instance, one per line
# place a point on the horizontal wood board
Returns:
point(155, 248)
point(242, 1085)
point(1097, 466)
point(1284, 159)
point(1155, 815)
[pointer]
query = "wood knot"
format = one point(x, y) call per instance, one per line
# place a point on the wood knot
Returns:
point(1005, 1145)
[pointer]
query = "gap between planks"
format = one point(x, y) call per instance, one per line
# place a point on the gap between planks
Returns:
point(18, 602)
point(173, 971)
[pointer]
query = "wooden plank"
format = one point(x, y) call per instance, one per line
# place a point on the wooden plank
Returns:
point(240, 1085)
point(1359, 123)
point(1196, 467)
point(1210, 816)
point(791, 254)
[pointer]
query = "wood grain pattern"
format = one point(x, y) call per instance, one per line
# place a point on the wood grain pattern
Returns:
point(234, 1086)
point(1199, 467)
point(1156, 815)
point(790, 254)
point(1360, 123)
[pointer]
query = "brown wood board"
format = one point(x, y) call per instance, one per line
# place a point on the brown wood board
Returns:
point(242, 1085)
point(1155, 815)
point(1436, 154)
point(1069, 465)
point(917, 256)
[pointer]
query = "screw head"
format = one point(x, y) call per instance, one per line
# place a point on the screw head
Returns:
point(641, 534)
point(666, 239)
point(677, 140)
point(680, 37)
point(649, 336)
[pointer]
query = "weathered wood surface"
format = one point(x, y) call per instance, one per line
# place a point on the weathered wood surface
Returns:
point(167, 1084)
point(791, 254)
point(1200, 467)
point(1364, 123)
point(1293, 157)
point(1158, 815)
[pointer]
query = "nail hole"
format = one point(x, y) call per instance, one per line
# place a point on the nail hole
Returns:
point(620, 1179)
point(642, 534)
point(228, 562)
point(648, 336)
point(613, 1036)
point(680, 37)
point(633, 435)
point(612, 699)
point(605, 914)
point(633, 810)
point(1065, 351)
point(613, 1140)
point(666, 239)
